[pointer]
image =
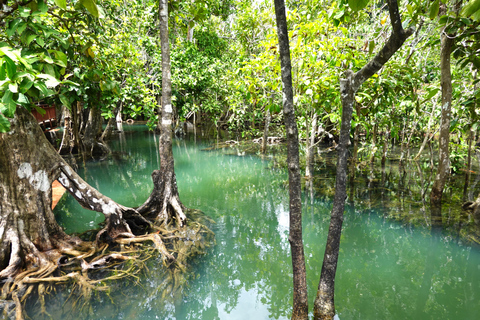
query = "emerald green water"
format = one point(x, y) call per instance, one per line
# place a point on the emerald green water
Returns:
point(386, 270)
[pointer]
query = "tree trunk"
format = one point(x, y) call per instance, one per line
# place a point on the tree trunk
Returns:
point(310, 144)
point(68, 142)
point(268, 118)
point(443, 168)
point(300, 298)
point(164, 201)
point(324, 306)
point(29, 234)
point(93, 147)
point(385, 146)
point(427, 133)
point(324, 303)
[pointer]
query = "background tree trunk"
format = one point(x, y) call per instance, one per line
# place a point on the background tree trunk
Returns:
point(268, 118)
point(300, 298)
point(310, 145)
point(443, 168)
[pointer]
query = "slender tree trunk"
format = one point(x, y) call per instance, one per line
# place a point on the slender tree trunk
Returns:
point(374, 141)
point(310, 145)
point(67, 144)
point(300, 297)
point(385, 146)
point(164, 200)
point(324, 303)
point(443, 169)
point(268, 118)
point(324, 306)
point(427, 133)
point(468, 173)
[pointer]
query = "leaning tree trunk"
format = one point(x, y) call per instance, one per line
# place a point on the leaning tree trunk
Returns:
point(443, 169)
point(324, 307)
point(300, 298)
point(164, 201)
point(29, 234)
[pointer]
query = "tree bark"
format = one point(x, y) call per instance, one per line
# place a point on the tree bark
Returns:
point(443, 169)
point(164, 201)
point(324, 306)
point(93, 147)
point(29, 234)
point(268, 118)
point(300, 298)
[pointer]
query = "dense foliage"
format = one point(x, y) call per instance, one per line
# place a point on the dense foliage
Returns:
point(225, 67)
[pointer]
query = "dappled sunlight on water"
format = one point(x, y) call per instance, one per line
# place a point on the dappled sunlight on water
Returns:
point(387, 270)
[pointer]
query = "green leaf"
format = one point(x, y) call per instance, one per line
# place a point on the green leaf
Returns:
point(357, 5)
point(43, 89)
point(434, 8)
point(11, 68)
point(21, 27)
point(40, 110)
point(41, 6)
point(3, 74)
point(4, 123)
point(371, 46)
point(40, 41)
point(61, 3)
point(65, 101)
point(12, 27)
point(9, 106)
point(22, 99)
point(25, 85)
point(61, 58)
point(91, 6)
point(471, 8)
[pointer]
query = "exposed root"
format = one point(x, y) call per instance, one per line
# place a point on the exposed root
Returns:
point(91, 268)
point(155, 238)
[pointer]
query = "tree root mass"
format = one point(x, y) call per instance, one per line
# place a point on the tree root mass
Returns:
point(90, 269)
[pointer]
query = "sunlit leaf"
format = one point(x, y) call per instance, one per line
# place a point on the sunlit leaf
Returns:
point(61, 3)
point(13, 87)
point(51, 82)
point(471, 8)
point(10, 67)
point(357, 5)
point(91, 6)
point(371, 46)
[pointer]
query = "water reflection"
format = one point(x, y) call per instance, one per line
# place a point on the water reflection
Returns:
point(387, 270)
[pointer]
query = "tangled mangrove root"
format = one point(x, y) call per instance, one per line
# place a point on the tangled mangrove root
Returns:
point(90, 270)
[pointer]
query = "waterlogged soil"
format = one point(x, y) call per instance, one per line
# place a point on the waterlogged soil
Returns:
point(392, 265)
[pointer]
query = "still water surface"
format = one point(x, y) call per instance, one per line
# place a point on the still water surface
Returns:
point(386, 270)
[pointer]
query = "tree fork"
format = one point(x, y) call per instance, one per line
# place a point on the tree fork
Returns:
point(324, 306)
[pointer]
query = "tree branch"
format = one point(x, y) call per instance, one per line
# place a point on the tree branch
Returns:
point(394, 42)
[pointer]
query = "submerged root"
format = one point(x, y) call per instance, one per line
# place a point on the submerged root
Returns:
point(88, 270)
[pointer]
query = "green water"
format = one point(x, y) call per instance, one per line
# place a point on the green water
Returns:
point(386, 270)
